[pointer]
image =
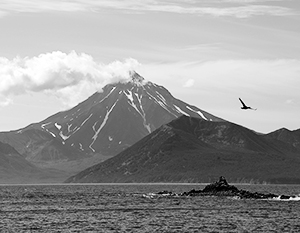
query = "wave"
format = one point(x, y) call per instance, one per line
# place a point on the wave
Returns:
point(287, 198)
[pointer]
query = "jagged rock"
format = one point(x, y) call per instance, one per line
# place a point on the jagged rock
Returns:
point(284, 197)
point(222, 188)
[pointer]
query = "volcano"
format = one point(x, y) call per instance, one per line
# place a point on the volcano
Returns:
point(103, 125)
point(110, 121)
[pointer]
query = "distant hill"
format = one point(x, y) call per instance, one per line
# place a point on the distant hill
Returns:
point(191, 149)
point(14, 168)
point(285, 136)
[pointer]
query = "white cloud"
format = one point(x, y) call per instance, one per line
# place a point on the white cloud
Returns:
point(5, 102)
point(71, 77)
point(189, 83)
point(40, 5)
point(290, 101)
point(181, 7)
point(247, 11)
point(250, 1)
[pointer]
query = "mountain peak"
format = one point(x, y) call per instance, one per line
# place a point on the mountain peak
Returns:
point(136, 78)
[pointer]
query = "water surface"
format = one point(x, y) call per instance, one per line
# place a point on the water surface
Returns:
point(122, 208)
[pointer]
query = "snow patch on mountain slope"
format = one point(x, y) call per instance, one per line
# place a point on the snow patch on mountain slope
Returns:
point(180, 110)
point(80, 147)
point(131, 102)
point(198, 112)
point(43, 125)
point(76, 128)
point(101, 126)
point(58, 126)
point(161, 97)
point(47, 130)
point(161, 104)
point(94, 126)
point(50, 133)
point(69, 127)
point(141, 112)
point(86, 120)
point(107, 95)
point(63, 136)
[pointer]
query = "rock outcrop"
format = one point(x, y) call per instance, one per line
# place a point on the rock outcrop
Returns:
point(222, 188)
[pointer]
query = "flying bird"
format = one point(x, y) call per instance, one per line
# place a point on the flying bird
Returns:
point(245, 107)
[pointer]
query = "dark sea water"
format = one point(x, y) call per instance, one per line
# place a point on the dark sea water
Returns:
point(122, 208)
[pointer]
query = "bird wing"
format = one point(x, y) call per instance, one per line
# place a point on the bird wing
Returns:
point(242, 102)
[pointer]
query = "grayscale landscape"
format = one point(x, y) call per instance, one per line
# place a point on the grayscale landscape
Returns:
point(111, 110)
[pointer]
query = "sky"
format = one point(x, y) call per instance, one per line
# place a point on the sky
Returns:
point(208, 53)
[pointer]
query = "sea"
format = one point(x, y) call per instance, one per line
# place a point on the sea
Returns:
point(124, 208)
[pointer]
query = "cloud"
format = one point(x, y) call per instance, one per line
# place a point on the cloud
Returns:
point(207, 46)
point(249, 1)
point(189, 83)
point(180, 7)
point(71, 77)
point(9, 6)
point(248, 11)
point(290, 101)
point(5, 102)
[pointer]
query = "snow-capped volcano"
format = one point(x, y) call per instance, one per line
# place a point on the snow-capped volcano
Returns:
point(116, 118)
point(106, 123)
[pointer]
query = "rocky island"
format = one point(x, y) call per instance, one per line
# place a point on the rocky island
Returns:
point(222, 188)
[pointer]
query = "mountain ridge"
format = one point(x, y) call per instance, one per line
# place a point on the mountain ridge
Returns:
point(178, 152)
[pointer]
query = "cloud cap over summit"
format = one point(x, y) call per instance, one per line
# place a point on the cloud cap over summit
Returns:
point(71, 77)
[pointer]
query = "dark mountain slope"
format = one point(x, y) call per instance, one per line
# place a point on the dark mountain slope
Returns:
point(15, 169)
point(147, 156)
point(286, 138)
point(37, 145)
point(194, 150)
point(225, 135)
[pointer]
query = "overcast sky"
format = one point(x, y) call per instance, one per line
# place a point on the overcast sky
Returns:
point(56, 53)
